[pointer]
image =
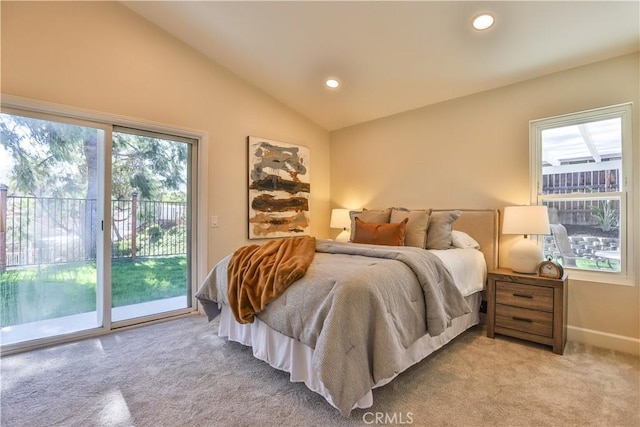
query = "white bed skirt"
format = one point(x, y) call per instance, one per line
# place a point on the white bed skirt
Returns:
point(292, 356)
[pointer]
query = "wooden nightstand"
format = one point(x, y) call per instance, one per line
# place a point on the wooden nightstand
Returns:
point(527, 306)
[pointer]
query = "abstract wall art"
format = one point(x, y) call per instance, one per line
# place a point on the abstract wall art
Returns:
point(279, 189)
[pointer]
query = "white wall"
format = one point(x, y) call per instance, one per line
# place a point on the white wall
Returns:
point(473, 152)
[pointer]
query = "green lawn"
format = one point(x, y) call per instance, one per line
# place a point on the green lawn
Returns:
point(589, 264)
point(45, 292)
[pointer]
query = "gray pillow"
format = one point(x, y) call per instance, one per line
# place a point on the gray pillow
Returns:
point(416, 232)
point(439, 230)
point(380, 216)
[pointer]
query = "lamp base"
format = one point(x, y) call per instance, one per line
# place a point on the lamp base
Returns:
point(525, 256)
point(344, 236)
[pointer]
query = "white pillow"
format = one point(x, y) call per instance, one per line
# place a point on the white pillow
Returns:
point(462, 240)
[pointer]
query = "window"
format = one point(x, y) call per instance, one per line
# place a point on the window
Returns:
point(581, 172)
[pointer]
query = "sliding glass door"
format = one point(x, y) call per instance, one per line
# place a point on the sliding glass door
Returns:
point(150, 222)
point(95, 226)
point(49, 227)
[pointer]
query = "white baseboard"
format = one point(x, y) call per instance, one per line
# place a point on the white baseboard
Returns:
point(604, 340)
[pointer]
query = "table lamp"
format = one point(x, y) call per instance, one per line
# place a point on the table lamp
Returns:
point(340, 219)
point(525, 255)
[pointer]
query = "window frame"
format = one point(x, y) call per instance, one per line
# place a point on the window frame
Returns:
point(625, 112)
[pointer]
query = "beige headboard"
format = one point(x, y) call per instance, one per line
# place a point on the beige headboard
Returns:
point(482, 225)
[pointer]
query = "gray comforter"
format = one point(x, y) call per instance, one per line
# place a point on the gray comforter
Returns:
point(359, 307)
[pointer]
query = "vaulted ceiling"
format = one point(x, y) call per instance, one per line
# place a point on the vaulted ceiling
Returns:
point(393, 56)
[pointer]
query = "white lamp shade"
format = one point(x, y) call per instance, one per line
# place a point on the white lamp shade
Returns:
point(340, 219)
point(526, 220)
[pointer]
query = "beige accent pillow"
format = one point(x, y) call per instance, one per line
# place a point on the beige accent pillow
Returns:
point(380, 216)
point(374, 233)
point(418, 221)
point(439, 230)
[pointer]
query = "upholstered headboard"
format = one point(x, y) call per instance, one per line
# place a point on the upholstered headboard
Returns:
point(482, 225)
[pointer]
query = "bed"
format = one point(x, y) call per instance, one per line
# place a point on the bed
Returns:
point(343, 345)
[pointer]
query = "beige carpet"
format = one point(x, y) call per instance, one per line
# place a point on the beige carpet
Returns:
point(179, 373)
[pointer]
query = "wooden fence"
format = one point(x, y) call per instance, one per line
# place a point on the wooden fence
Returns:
point(580, 212)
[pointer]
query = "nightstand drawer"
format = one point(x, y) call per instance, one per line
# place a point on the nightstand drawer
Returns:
point(526, 296)
point(525, 320)
point(528, 307)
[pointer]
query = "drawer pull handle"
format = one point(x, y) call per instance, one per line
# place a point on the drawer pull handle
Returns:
point(522, 319)
point(519, 295)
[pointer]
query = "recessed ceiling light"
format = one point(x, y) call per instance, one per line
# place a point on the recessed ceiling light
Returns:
point(332, 83)
point(483, 21)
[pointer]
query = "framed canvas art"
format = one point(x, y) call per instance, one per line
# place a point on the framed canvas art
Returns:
point(279, 189)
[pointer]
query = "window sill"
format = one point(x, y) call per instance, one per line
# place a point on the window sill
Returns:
point(604, 278)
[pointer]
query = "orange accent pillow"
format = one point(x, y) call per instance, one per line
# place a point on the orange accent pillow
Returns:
point(374, 233)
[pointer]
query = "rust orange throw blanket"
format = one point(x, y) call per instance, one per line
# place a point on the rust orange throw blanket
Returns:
point(259, 273)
